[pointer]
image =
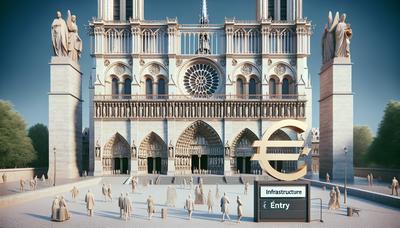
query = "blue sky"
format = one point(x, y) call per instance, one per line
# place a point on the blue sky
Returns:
point(26, 48)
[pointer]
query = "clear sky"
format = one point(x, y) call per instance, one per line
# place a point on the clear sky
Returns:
point(26, 48)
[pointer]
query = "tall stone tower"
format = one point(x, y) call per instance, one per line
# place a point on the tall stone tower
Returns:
point(336, 103)
point(65, 118)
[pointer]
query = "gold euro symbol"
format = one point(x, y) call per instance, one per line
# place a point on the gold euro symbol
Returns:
point(263, 157)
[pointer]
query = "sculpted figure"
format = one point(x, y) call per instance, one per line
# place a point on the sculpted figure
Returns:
point(134, 183)
point(225, 207)
point(21, 184)
point(64, 213)
point(337, 197)
point(59, 36)
point(109, 194)
point(246, 188)
point(343, 35)
point(328, 178)
point(328, 40)
point(189, 206)
point(74, 41)
point(104, 191)
point(89, 200)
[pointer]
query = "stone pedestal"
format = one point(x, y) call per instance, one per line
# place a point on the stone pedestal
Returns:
point(65, 118)
point(336, 120)
point(227, 166)
point(134, 166)
point(171, 167)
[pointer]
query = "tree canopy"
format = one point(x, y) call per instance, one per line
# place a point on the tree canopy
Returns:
point(16, 148)
point(362, 141)
point(385, 149)
point(39, 135)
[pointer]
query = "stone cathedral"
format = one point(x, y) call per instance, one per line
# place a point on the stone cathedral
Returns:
point(177, 99)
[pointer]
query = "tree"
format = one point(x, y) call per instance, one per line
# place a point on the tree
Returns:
point(385, 149)
point(362, 141)
point(39, 135)
point(16, 148)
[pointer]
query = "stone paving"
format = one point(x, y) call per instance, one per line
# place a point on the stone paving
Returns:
point(106, 214)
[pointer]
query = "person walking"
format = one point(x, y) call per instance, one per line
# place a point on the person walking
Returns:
point(89, 200)
point(189, 206)
point(225, 207)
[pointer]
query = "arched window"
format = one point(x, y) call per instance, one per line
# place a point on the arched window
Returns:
point(127, 87)
point(239, 88)
point(149, 88)
point(272, 88)
point(285, 88)
point(129, 9)
point(271, 9)
point(161, 89)
point(252, 88)
point(114, 88)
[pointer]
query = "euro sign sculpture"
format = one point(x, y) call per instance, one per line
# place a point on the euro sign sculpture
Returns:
point(263, 157)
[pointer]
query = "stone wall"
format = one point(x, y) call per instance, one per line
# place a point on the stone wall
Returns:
point(378, 173)
point(25, 173)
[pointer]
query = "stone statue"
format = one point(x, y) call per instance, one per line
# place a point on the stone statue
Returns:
point(54, 209)
point(74, 41)
point(150, 207)
point(227, 149)
point(63, 210)
point(171, 153)
point(199, 195)
point(104, 192)
point(246, 188)
point(134, 183)
point(342, 37)
point(109, 193)
point(121, 206)
point(74, 193)
point(336, 38)
point(59, 36)
point(337, 197)
point(127, 207)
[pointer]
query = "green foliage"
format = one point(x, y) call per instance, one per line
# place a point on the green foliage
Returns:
point(385, 149)
point(16, 148)
point(362, 141)
point(39, 135)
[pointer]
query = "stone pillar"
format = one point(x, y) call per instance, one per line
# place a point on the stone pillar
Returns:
point(65, 117)
point(336, 119)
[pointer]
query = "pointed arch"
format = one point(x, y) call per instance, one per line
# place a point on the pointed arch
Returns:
point(153, 154)
point(242, 150)
point(199, 147)
point(116, 155)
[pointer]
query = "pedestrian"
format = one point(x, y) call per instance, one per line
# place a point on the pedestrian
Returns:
point(64, 213)
point(210, 201)
point(372, 179)
point(225, 207)
point(369, 179)
point(395, 186)
point(150, 207)
point(104, 192)
point(74, 193)
point(337, 197)
point(134, 184)
point(332, 200)
point(54, 209)
point(246, 188)
point(89, 200)
point(239, 209)
point(121, 206)
point(189, 206)
point(4, 177)
point(127, 207)
point(21, 185)
point(328, 178)
point(109, 194)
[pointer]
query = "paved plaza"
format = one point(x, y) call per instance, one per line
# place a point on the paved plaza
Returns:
point(106, 214)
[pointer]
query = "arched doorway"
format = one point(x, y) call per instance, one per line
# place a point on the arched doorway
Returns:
point(153, 155)
point(116, 156)
point(283, 166)
point(199, 148)
point(242, 152)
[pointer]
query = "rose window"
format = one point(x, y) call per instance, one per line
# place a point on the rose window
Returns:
point(201, 80)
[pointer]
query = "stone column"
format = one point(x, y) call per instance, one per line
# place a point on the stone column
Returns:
point(65, 117)
point(336, 119)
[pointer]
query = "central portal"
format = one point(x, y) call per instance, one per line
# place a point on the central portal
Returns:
point(199, 148)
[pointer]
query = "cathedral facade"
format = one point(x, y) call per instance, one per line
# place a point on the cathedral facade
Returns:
point(178, 99)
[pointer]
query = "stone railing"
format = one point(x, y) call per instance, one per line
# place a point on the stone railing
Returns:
point(199, 108)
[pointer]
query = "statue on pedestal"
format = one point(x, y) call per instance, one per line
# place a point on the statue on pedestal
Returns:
point(336, 38)
point(74, 41)
point(59, 36)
